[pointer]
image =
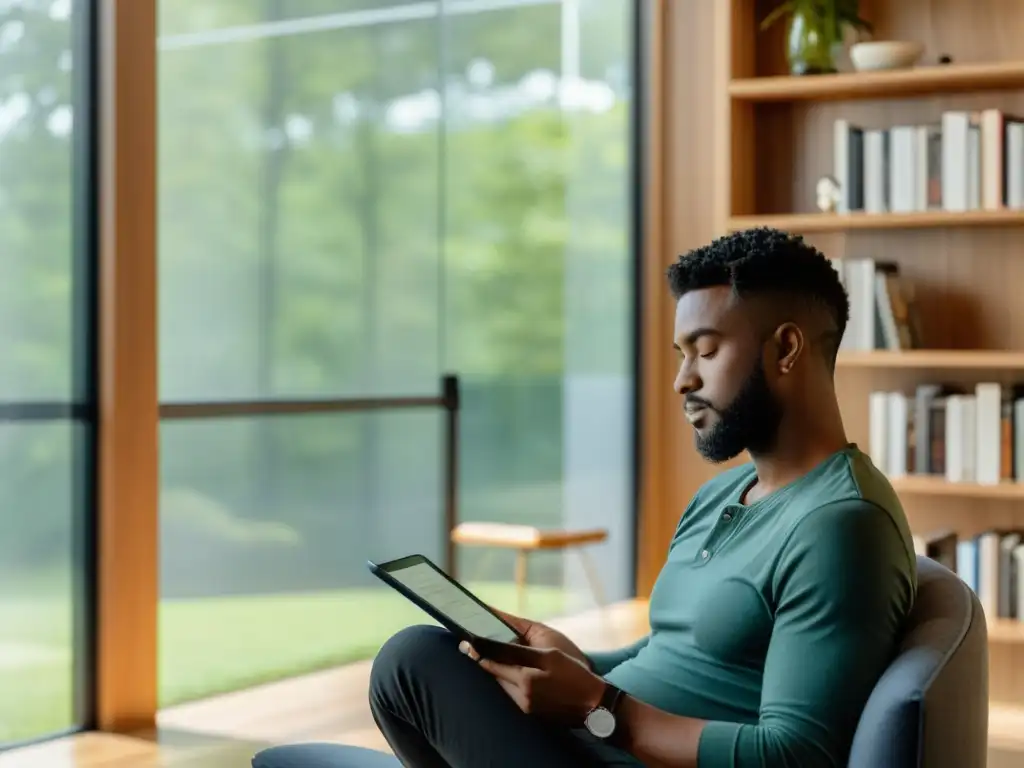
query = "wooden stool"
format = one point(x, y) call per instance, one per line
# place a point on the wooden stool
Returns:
point(525, 539)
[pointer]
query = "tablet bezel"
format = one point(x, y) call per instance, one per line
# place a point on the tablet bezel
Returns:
point(383, 571)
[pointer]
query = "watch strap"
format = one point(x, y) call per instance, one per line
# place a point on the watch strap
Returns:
point(610, 698)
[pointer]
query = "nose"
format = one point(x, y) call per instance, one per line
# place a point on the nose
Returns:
point(687, 379)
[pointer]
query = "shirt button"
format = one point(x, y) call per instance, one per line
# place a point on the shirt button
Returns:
point(705, 554)
point(727, 517)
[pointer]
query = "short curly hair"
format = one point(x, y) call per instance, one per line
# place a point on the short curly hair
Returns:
point(766, 261)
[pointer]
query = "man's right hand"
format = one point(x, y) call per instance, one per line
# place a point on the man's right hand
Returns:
point(537, 635)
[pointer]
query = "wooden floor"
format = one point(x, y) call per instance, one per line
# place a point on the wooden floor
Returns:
point(225, 731)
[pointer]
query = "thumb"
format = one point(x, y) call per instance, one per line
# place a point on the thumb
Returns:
point(469, 650)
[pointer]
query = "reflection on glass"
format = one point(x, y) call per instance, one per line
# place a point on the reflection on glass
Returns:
point(39, 497)
point(349, 210)
point(538, 275)
point(298, 230)
point(266, 527)
point(36, 298)
point(42, 506)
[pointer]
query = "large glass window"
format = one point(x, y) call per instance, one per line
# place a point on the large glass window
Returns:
point(355, 197)
point(46, 393)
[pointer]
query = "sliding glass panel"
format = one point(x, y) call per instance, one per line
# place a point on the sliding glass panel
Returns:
point(40, 572)
point(539, 270)
point(46, 413)
point(37, 312)
point(266, 525)
point(299, 248)
point(368, 194)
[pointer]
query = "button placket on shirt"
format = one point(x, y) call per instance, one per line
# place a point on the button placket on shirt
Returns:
point(722, 526)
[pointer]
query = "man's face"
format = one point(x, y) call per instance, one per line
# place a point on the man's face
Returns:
point(726, 394)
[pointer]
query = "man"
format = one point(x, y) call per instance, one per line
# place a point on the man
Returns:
point(785, 589)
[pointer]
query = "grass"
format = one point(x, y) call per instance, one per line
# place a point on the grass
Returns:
point(213, 645)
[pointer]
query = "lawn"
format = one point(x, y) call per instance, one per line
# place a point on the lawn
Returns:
point(213, 645)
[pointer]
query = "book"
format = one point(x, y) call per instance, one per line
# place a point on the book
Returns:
point(963, 434)
point(966, 160)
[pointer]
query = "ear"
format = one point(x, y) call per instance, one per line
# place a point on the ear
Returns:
point(789, 344)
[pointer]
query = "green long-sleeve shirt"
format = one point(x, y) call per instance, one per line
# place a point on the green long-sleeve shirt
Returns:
point(774, 620)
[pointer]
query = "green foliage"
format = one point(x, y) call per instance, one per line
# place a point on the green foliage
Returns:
point(200, 518)
point(826, 14)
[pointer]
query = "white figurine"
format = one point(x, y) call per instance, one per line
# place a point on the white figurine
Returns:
point(828, 194)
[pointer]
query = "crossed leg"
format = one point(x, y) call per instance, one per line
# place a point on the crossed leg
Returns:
point(438, 709)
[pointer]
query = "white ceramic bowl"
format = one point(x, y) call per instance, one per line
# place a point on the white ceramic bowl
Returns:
point(885, 54)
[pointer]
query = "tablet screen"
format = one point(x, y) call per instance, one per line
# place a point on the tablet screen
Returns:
point(439, 592)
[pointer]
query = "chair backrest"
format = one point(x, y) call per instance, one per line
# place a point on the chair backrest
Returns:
point(930, 707)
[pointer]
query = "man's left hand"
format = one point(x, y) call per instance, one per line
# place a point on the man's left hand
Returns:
point(548, 683)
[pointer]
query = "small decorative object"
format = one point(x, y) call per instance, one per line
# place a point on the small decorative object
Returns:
point(885, 54)
point(815, 31)
point(828, 194)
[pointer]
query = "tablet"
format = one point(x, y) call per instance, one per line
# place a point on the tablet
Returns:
point(447, 601)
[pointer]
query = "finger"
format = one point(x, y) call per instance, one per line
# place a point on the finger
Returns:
point(469, 650)
point(506, 672)
point(517, 655)
point(510, 672)
point(515, 693)
point(512, 654)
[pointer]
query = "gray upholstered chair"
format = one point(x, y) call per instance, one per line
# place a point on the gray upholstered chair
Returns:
point(929, 709)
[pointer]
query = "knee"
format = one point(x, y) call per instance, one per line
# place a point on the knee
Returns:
point(409, 655)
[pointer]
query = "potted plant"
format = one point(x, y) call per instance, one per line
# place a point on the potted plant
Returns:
point(815, 31)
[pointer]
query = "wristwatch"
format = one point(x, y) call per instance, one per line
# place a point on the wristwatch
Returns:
point(600, 721)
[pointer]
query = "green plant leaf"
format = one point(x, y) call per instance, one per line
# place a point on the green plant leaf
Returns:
point(831, 14)
point(780, 11)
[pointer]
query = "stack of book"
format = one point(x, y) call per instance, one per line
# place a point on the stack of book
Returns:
point(883, 314)
point(965, 161)
point(991, 563)
point(964, 435)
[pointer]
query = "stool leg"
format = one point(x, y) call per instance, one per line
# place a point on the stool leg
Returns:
point(521, 580)
point(590, 570)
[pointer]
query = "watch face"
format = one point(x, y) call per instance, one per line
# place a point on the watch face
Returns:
point(601, 723)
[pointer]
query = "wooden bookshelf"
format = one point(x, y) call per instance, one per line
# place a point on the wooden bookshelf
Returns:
point(934, 359)
point(1006, 727)
point(899, 84)
point(1006, 631)
point(928, 485)
point(775, 140)
point(839, 222)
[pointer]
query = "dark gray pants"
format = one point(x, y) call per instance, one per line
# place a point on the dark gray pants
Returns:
point(438, 709)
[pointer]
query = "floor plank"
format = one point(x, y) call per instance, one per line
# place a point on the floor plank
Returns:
point(225, 731)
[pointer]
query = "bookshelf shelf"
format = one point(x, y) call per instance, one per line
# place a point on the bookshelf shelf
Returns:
point(1006, 727)
point(934, 359)
point(921, 81)
point(838, 222)
point(1006, 631)
point(927, 485)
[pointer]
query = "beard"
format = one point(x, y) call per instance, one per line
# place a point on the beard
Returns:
point(749, 423)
